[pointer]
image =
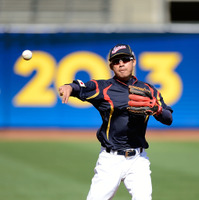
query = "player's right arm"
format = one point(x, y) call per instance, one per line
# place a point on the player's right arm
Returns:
point(77, 88)
point(65, 91)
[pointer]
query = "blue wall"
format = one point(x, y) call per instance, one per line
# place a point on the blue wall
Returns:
point(28, 89)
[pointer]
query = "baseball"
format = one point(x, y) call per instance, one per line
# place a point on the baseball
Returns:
point(27, 54)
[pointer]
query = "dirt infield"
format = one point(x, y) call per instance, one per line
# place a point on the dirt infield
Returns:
point(90, 135)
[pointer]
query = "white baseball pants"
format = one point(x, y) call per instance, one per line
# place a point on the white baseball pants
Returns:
point(111, 169)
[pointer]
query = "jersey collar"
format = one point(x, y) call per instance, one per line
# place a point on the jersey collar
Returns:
point(131, 81)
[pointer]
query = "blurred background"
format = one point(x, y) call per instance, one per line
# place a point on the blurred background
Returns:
point(71, 40)
point(61, 31)
point(100, 15)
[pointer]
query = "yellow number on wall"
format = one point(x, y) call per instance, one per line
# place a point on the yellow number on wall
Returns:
point(162, 66)
point(86, 61)
point(36, 92)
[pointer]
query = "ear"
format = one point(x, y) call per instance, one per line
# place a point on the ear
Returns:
point(134, 62)
point(111, 66)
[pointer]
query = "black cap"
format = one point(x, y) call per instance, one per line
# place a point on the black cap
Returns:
point(120, 49)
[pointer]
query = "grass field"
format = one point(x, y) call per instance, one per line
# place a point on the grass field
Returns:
point(47, 170)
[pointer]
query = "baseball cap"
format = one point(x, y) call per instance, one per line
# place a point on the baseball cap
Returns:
point(120, 49)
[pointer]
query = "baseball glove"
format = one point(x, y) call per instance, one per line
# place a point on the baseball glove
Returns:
point(142, 102)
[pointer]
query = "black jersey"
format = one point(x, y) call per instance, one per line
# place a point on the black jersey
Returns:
point(120, 128)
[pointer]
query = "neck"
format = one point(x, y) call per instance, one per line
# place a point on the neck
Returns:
point(124, 80)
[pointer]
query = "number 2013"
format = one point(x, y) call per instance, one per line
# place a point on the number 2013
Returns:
point(38, 93)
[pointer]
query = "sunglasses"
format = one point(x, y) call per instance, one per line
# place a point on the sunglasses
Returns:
point(116, 61)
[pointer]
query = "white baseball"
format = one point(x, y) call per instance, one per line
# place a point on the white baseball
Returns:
point(27, 54)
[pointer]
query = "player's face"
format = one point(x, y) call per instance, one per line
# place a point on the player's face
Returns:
point(123, 67)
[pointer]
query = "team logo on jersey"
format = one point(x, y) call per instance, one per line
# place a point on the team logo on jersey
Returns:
point(118, 48)
point(81, 83)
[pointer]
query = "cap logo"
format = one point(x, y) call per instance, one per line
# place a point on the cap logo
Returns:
point(118, 48)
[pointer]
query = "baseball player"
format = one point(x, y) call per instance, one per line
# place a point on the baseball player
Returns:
point(125, 105)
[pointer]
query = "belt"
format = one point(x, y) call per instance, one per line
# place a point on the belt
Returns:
point(126, 153)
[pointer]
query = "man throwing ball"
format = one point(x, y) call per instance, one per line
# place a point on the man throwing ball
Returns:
point(125, 105)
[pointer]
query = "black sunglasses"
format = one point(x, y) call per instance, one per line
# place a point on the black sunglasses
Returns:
point(125, 59)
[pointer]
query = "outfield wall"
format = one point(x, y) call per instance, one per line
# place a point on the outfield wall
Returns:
point(28, 89)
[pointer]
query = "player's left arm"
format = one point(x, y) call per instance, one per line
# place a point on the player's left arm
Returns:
point(165, 116)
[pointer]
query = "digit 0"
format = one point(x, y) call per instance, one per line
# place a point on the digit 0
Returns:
point(84, 61)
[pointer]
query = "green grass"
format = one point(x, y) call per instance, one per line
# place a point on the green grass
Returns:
point(63, 170)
